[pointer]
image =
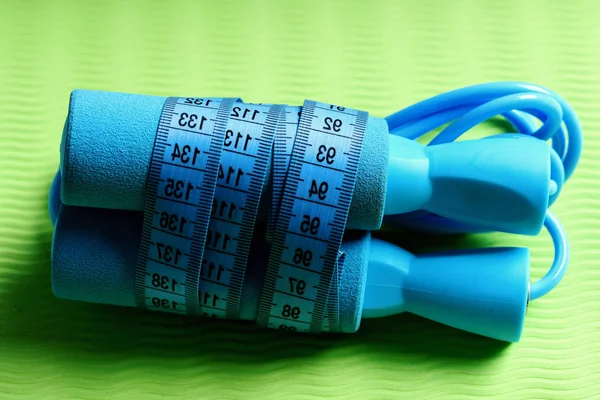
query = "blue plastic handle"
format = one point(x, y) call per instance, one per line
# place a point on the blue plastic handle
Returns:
point(501, 185)
point(531, 109)
point(484, 291)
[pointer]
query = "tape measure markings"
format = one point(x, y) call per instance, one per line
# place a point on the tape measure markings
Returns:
point(173, 227)
point(285, 135)
point(327, 146)
point(331, 321)
point(246, 154)
point(176, 213)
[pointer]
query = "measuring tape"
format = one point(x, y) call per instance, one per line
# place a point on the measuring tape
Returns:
point(285, 134)
point(247, 149)
point(311, 220)
point(179, 194)
point(207, 173)
point(331, 321)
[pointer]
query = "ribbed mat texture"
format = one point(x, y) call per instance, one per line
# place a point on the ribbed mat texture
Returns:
point(372, 55)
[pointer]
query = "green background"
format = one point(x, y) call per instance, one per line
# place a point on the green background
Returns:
point(372, 55)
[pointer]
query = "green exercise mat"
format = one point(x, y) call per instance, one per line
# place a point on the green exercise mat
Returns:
point(371, 55)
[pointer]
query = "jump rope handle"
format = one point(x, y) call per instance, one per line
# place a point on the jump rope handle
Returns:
point(537, 115)
point(483, 291)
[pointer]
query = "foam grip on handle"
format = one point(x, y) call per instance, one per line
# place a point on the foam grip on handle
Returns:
point(107, 146)
point(94, 256)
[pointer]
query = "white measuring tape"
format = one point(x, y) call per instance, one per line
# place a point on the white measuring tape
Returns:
point(205, 183)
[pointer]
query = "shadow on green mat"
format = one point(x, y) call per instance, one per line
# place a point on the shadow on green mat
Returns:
point(80, 330)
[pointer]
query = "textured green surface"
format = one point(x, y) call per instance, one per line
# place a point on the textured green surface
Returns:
point(377, 56)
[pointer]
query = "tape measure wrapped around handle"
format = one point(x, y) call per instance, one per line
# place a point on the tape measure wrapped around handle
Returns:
point(107, 147)
point(178, 193)
point(95, 253)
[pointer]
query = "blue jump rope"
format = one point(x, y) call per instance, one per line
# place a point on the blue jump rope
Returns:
point(223, 209)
